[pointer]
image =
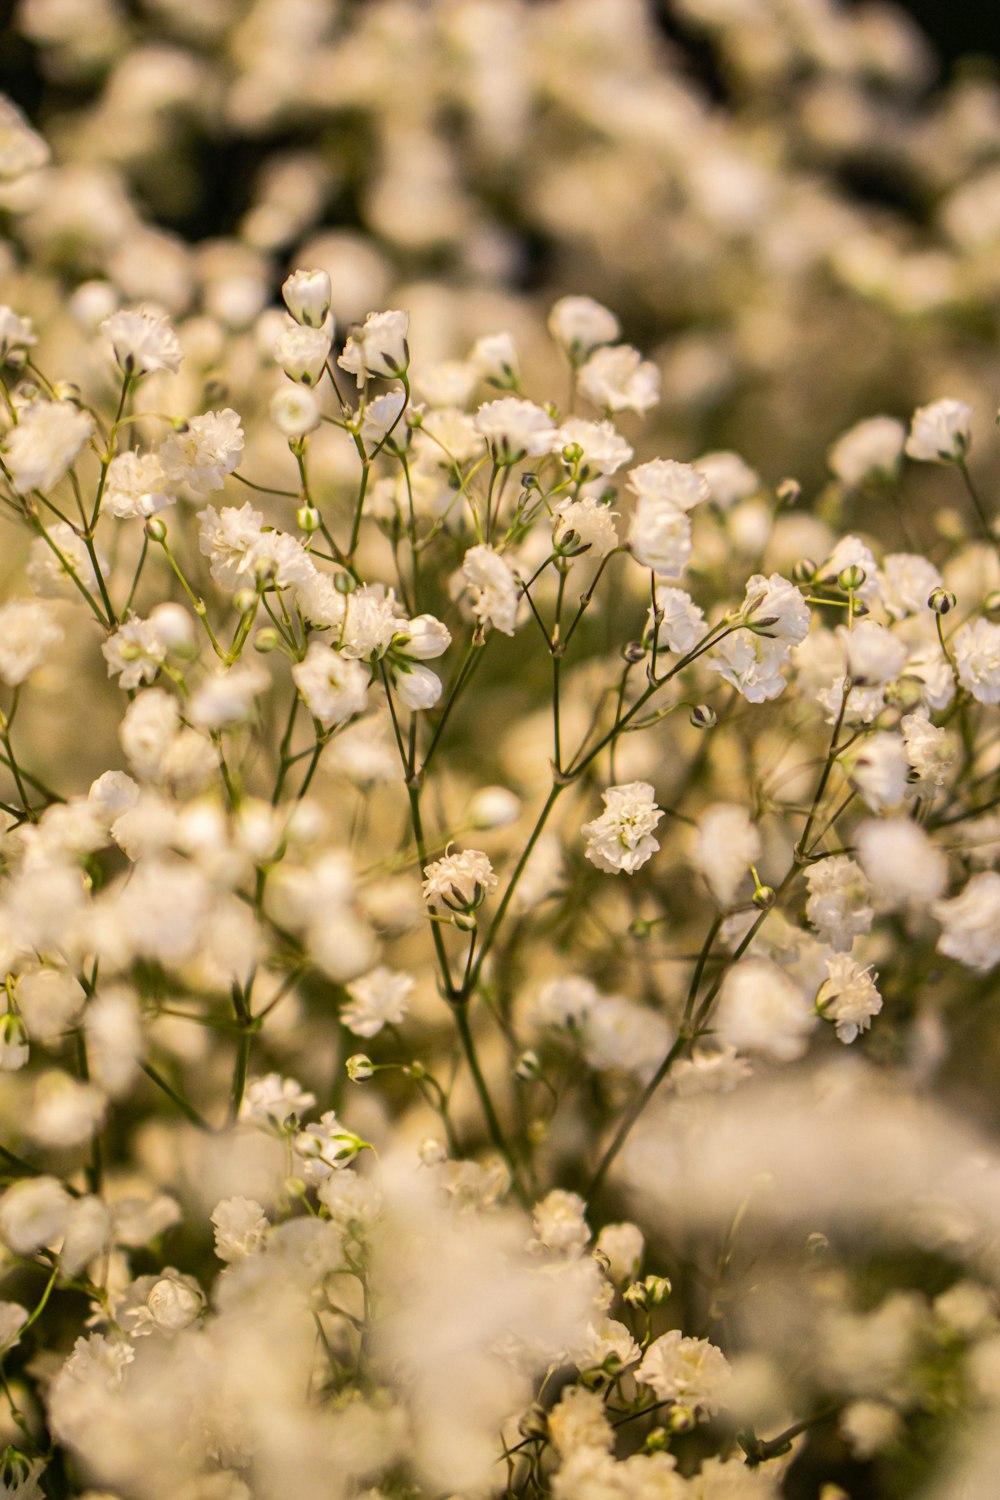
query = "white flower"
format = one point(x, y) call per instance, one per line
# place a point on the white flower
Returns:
point(578, 1423)
point(941, 432)
point(142, 340)
point(879, 770)
point(603, 447)
point(563, 1002)
point(227, 697)
point(333, 686)
point(14, 1048)
point(46, 440)
point(848, 997)
point(172, 1303)
point(378, 998)
point(21, 149)
point(659, 537)
point(33, 1213)
point(12, 1319)
point(459, 881)
point(273, 1100)
point(930, 751)
point(240, 1228)
point(760, 1009)
point(752, 663)
point(775, 608)
point(851, 552)
point(16, 336)
point(307, 297)
point(907, 582)
point(494, 589)
point(378, 348)
point(669, 483)
point(136, 486)
point(839, 904)
point(383, 423)
point(592, 521)
point(619, 379)
point(53, 564)
point(560, 1223)
point(302, 352)
point(872, 449)
point(970, 923)
point(134, 653)
point(976, 649)
point(622, 1246)
point(494, 357)
point(512, 429)
point(295, 411)
point(622, 837)
point(683, 623)
point(904, 866)
point(326, 1147)
point(149, 726)
point(64, 1111)
point(27, 634)
point(692, 1372)
point(727, 844)
point(874, 655)
point(579, 324)
point(205, 450)
point(730, 477)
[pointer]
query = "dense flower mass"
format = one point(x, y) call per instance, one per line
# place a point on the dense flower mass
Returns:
point(582, 699)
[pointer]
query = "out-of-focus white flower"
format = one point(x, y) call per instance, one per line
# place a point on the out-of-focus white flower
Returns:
point(579, 324)
point(333, 686)
point(142, 340)
point(560, 1222)
point(622, 837)
point(459, 881)
point(619, 379)
point(970, 923)
point(12, 1319)
point(578, 1423)
point(669, 483)
point(872, 449)
point(941, 432)
point(493, 588)
point(622, 1246)
point(726, 845)
point(136, 485)
point(45, 442)
point(512, 429)
point(601, 447)
point(593, 523)
point(494, 358)
point(848, 997)
point(241, 1227)
point(839, 905)
point(907, 581)
point(377, 348)
point(760, 1009)
point(659, 537)
point(34, 1212)
point(902, 863)
point(378, 998)
point(273, 1100)
point(22, 150)
point(295, 411)
point(16, 336)
point(879, 770)
point(27, 634)
point(692, 1372)
point(64, 1111)
point(730, 478)
point(134, 653)
point(307, 297)
point(172, 1303)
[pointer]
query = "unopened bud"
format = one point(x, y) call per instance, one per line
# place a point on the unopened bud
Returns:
point(763, 897)
point(344, 583)
point(528, 1067)
point(431, 1152)
point(266, 640)
point(245, 601)
point(657, 1441)
point(308, 519)
point(649, 1292)
point(359, 1068)
point(817, 1243)
point(13, 1043)
point(534, 1423)
point(465, 921)
point(941, 601)
point(803, 571)
point(572, 454)
point(67, 390)
point(681, 1419)
point(156, 529)
point(852, 577)
point(991, 604)
point(634, 652)
point(788, 492)
point(703, 716)
point(639, 927)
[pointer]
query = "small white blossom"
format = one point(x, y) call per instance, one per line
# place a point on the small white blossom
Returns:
point(240, 1228)
point(16, 336)
point(848, 997)
point(976, 649)
point(592, 521)
point(334, 686)
point(274, 1100)
point(493, 587)
point(941, 432)
point(579, 325)
point(970, 923)
point(307, 297)
point(142, 340)
point(512, 429)
point(622, 837)
point(459, 881)
point(872, 449)
point(619, 379)
point(879, 770)
point(136, 486)
point(560, 1223)
point(902, 863)
point(760, 1009)
point(691, 1372)
point(726, 845)
point(205, 450)
point(45, 442)
point(295, 411)
point(27, 634)
point(378, 998)
point(378, 348)
point(134, 652)
point(302, 352)
point(494, 358)
point(839, 905)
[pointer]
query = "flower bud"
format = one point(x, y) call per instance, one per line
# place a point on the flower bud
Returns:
point(245, 601)
point(266, 640)
point(344, 583)
point(307, 297)
point(657, 1441)
point(788, 492)
point(572, 454)
point(359, 1068)
point(308, 519)
point(528, 1067)
point(634, 652)
point(763, 897)
point(941, 601)
point(681, 1419)
point(639, 927)
point(803, 571)
point(156, 529)
point(13, 1043)
point(703, 716)
point(431, 1152)
point(852, 578)
point(991, 604)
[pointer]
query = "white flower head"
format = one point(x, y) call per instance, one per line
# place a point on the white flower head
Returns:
point(459, 881)
point(493, 588)
point(27, 634)
point(579, 325)
point(204, 451)
point(302, 351)
point(621, 839)
point(870, 450)
point(378, 998)
point(333, 686)
point(142, 340)
point(619, 379)
point(45, 442)
point(136, 485)
point(377, 348)
point(761, 1009)
point(848, 997)
point(940, 433)
point(691, 1372)
point(512, 429)
point(307, 297)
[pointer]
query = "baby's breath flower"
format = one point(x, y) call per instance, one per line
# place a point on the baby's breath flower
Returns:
point(142, 340)
point(622, 837)
point(941, 432)
point(459, 881)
